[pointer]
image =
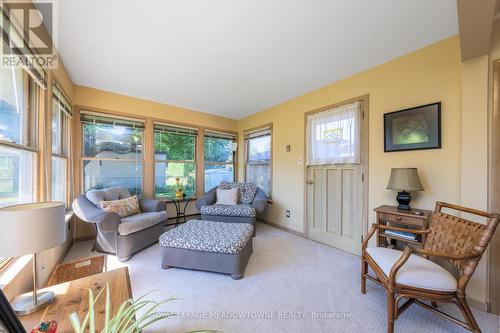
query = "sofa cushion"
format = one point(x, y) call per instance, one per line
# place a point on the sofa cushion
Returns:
point(107, 194)
point(209, 236)
point(246, 191)
point(416, 272)
point(226, 210)
point(123, 207)
point(227, 197)
point(133, 223)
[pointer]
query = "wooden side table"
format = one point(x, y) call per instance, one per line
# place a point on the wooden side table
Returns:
point(417, 219)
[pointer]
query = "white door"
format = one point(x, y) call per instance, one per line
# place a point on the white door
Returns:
point(335, 190)
point(334, 197)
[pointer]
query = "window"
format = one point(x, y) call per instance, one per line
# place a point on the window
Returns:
point(258, 156)
point(61, 115)
point(219, 152)
point(175, 157)
point(111, 152)
point(333, 136)
point(4, 262)
point(19, 97)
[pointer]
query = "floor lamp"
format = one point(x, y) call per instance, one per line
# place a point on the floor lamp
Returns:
point(30, 229)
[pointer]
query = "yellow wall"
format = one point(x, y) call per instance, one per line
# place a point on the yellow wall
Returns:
point(100, 99)
point(428, 75)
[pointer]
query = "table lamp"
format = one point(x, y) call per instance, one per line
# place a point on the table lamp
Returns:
point(29, 229)
point(404, 180)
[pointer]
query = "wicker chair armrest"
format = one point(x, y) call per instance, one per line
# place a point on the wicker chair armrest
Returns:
point(368, 236)
point(397, 265)
point(466, 256)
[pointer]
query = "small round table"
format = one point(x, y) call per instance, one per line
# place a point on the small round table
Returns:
point(180, 211)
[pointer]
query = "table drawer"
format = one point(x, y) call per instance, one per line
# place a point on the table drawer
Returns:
point(390, 218)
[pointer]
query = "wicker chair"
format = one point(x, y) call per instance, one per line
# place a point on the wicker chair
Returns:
point(405, 275)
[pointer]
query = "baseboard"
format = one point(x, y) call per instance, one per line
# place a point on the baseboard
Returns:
point(480, 305)
point(295, 232)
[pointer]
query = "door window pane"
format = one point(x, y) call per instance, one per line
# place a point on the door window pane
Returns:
point(59, 179)
point(217, 173)
point(166, 174)
point(99, 174)
point(13, 112)
point(16, 176)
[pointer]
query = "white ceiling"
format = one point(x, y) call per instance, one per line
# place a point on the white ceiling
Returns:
point(236, 57)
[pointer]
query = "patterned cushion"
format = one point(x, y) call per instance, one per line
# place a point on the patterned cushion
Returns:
point(225, 210)
point(107, 194)
point(246, 191)
point(209, 236)
point(123, 207)
point(133, 223)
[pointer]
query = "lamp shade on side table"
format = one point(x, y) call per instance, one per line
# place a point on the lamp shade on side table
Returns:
point(29, 229)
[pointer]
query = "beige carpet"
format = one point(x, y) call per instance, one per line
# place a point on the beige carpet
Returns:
point(289, 283)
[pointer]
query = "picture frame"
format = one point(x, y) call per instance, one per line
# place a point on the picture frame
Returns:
point(415, 128)
point(9, 322)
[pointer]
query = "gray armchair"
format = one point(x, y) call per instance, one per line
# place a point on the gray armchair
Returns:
point(122, 236)
point(252, 200)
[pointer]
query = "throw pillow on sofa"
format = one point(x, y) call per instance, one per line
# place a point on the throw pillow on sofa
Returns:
point(227, 197)
point(123, 207)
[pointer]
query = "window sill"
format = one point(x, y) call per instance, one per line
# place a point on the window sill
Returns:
point(14, 268)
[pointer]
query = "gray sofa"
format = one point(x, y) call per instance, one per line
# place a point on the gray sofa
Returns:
point(252, 200)
point(121, 236)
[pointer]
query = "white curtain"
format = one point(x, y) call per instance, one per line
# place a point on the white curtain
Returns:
point(333, 136)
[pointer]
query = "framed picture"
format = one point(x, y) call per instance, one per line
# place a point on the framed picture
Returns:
point(413, 129)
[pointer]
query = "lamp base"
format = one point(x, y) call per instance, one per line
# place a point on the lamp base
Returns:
point(404, 199)
point(23, 305)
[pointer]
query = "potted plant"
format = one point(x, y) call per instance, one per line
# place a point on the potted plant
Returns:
point(126, 319)
point(178, 188)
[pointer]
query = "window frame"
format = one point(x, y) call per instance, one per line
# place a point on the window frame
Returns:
point(33, 103)
point(222, 135)
point(65, 142)
point(247, 138)
point(142, 161)
point(195, 161)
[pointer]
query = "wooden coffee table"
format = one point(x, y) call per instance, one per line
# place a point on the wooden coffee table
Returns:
point(72, 297)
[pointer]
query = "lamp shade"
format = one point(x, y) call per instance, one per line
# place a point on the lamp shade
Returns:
point(404, 179)
point(31, 228)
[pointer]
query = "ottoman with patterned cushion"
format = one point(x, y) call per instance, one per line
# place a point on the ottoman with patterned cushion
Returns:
point(209, 246)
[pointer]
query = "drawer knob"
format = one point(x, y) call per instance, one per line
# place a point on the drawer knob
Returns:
point(398, 218)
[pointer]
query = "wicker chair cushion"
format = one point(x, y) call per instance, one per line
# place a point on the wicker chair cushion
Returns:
point(416, 272)
point(229, 210)
point(137, 222)
point(209, 236)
